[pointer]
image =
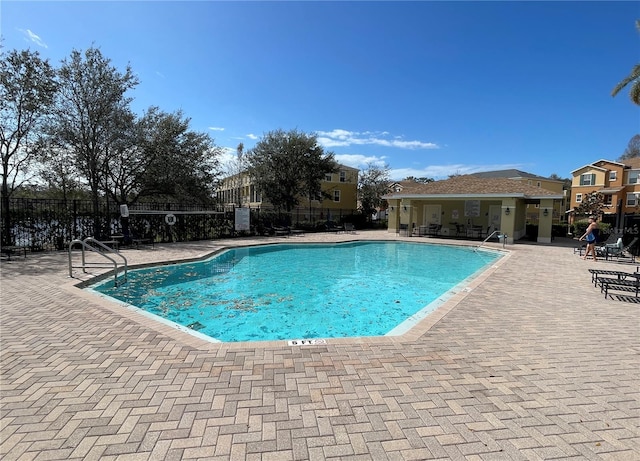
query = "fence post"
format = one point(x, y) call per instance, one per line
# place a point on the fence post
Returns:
point(75, 220)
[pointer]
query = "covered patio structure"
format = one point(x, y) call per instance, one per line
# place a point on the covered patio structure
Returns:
point(470, 207)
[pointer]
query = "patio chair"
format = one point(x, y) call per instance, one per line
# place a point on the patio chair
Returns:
point(143, 239)
point(611, 239)
point(602, 250)
point(600, 273)
point(434, 229)
point(619, 251)
point(349, 228)
point(281, 231)
point(333, 227)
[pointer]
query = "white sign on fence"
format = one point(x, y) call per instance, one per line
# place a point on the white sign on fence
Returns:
point(243, 219)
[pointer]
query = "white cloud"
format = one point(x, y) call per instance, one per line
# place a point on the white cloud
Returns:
point(252, 136)
point(31, 37)
point(227, 159)
point(344, 138)
point(359, 161)
point(216, 128)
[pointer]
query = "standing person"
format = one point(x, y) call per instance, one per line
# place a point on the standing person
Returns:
point(591, 235)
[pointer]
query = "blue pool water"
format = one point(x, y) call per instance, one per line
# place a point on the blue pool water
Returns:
point(301, 291)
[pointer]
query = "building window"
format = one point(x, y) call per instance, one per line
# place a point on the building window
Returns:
point(613, 175)
point(631, 199)
point(578, 198)
point(588, 179)
point(539, 184)
point(608, 199)
point(336, 195)
point(327, 177)
point(633, 176)
point(343, 176)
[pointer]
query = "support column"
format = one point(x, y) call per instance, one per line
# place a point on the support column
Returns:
point(545, 221)
point(508, 219)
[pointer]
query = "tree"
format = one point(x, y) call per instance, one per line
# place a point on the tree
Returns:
point(181, 164)
point(373, 183)
point(632, 150)
point(592, 204)
point(27, 91)
point(421, 180)
point(287, 166)
point(57, 169)
point(633, 79)
point(91, 100)
point(566, 181)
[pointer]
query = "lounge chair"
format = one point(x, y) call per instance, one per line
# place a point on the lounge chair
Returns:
point(630, 284)
point(434, 229)
point(333, 227)
point(611, 239)
point(602, 250)
point(596, 274)
point(349, 228)
point(617, 250)
point(281, 231)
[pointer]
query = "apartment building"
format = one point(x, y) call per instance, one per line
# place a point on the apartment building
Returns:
point(339, 192)
point(618, 182)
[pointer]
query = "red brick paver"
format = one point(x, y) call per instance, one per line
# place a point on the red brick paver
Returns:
point(531, 362)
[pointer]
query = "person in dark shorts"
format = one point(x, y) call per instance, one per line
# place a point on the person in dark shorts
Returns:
point(591, 236)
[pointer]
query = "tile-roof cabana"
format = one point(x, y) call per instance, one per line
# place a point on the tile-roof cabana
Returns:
point(470, 202)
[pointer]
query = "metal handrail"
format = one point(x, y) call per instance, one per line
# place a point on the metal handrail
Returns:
point(503, 236)
point(88, 244)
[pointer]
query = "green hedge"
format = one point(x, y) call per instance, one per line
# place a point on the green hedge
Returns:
point(581, 227)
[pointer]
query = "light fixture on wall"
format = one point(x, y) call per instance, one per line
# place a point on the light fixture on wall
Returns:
point(404, 208)
point(545, 212)
point(507, 211)
point(392, 208)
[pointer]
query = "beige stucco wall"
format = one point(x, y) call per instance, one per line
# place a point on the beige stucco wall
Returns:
point(410, 212)
point(545, 222)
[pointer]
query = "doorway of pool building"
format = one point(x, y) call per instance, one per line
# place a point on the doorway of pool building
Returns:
point(432, 214)
point(495, 214)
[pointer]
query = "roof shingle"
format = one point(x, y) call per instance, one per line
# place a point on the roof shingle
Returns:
point(472, 185)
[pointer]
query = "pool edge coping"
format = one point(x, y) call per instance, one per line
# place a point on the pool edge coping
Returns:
point(192, 339)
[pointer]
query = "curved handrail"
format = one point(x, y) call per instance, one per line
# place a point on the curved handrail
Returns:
point(503, 236)
point(87, 244)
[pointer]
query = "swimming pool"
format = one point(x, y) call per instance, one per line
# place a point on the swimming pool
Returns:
point(293, 291)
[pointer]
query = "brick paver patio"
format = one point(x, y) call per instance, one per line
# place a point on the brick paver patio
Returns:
point(531, 362)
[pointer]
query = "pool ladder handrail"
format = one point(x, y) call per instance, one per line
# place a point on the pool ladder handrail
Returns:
point(502, 237)
point(90, 244)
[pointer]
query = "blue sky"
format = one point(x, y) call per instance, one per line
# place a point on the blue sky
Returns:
point(429, 88)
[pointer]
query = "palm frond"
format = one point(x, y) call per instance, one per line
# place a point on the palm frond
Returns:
point(634, 78)
point(634, 94)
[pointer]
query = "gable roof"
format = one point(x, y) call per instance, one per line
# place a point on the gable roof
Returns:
point(633, 163)
point(472, 186)
point(511, 174)
point(590, 166)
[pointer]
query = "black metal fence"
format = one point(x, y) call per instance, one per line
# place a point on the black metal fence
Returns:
point(42, 224)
